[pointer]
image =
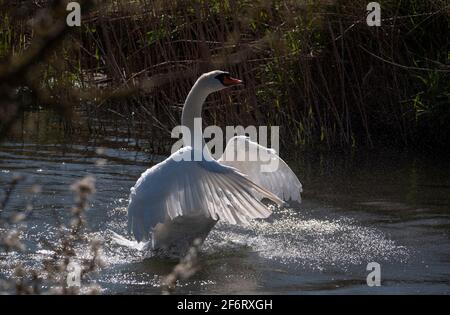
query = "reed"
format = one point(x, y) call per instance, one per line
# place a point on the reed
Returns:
point(313, 67)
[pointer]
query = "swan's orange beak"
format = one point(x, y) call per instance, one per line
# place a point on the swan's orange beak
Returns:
point(229, 81)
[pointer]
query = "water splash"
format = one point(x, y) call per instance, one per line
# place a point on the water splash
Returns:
point(298, 239)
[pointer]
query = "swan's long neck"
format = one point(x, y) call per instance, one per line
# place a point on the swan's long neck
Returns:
point(193, 109)
point(193, 105)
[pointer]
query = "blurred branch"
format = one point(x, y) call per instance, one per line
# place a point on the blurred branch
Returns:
point(50, 28)
point(13, 71)
point(8, 191)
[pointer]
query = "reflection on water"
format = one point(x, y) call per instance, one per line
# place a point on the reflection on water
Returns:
point(387, 208)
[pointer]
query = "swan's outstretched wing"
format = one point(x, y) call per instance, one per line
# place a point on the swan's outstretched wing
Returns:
point(179, 187)
point(244, 155)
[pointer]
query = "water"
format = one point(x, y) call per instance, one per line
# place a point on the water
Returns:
point(392, 209)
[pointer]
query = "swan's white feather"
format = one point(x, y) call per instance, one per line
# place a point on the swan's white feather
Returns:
point(283, 182)
point(180, 187)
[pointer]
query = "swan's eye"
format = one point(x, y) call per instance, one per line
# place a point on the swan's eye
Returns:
point(221, 77)
point(227, 80)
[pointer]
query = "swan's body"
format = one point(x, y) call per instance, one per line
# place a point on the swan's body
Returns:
point(180, 199)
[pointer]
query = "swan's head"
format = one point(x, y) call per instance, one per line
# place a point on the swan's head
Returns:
point(217, 80)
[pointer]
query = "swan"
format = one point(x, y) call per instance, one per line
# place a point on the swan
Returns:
point(179, 200)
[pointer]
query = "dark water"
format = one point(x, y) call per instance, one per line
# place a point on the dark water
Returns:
point(393, 209)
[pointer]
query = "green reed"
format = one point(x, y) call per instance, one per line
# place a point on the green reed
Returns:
point(313, 67)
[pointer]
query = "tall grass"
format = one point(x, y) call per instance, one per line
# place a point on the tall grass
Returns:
point(313, 67)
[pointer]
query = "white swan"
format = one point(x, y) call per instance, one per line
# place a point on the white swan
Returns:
point(179, 200)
